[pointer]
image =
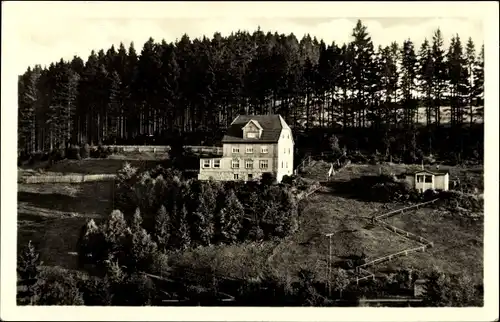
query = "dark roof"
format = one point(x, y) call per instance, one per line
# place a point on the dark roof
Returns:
point(271, 129)
point(431, 171)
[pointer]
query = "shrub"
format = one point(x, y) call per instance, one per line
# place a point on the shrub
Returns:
point(73, 152)
point(85, 151)
point(96, 291)
point(28, 272)
point(455, 200)
point(451, 290)
point(58, 289)
point(136, 290)
point(268, 178)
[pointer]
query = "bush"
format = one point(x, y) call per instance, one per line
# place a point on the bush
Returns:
point(268, 178)
point(85, 151)
point(178, 213)
point(58, 289)
point(136, 290)
point(455, 200)
point(73, 152)
point(96, 291)
point(444, 290)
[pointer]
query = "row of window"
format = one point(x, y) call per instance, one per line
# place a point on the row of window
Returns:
point(236, 176)
point(263, 149)
point(421, 178)
point(263, 164)
point(249, 149)
point(206, 163)
point(235, 164)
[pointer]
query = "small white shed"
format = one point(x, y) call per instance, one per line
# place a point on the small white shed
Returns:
point(423, 180)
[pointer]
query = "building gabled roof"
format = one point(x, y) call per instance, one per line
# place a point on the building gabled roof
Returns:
point(254, 122)
point(435, 172)
point(271, 128)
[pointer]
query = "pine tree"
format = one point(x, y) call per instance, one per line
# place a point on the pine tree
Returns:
point(363, 71)
point(28, 272)
point(184, 237)
point(29, 101)
point(409, 75)
point(426, 79)
point(203, 216)
point(230, 218)
point(440, 73)
point(136, 220)
point(162, 229)
point(479, 84)
point(458, 76)
point(470, 58)
point(114, 106)
point(340, 280)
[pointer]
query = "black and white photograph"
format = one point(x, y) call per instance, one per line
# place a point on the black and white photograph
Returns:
point(256, 157)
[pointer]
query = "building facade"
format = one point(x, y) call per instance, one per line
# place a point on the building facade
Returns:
point(423, 180)
point(252, 146)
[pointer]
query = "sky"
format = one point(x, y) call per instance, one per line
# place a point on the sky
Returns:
point(50, 31)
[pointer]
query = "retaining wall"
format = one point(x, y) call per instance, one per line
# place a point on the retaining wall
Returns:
point(68, 178)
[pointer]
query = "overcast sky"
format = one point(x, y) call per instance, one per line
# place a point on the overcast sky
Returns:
point(45, 32)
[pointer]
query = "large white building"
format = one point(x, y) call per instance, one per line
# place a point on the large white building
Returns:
point(253, 145)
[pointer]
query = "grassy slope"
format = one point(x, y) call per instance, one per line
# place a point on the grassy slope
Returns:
point(95, 166)
point(52, 215)
point(458, 242)
point(43, 216)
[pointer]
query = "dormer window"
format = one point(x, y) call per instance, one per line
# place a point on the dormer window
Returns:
point(252, 130)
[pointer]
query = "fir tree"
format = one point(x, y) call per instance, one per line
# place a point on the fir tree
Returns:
point(28, 272)
point(230, 218)
point(162, 230)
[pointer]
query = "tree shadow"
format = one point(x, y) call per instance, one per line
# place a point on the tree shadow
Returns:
point(55, 201)
point(91, 198)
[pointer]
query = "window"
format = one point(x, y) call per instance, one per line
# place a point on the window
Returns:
point(263, 149)
point(288, 136)
point(206, 163)
point(263, 164)
point(288, 150)
point(248, 164)
point(249, 149)
point(428, 179)
point(251, 135)
point(281, 164)
point(284, 150)
point(236, 150)
point(250, 176)
point(420, 178)
point(236, 177)
point(216, 163)
point(235, 164)
point(287, 164)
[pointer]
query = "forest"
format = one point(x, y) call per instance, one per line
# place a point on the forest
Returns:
point(193, 88)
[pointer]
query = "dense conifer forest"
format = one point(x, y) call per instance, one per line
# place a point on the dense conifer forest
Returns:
point(385, 98)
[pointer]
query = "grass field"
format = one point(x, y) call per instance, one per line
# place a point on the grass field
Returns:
point(53, 214)
point(458, 242)
point(88, 166)
point(472, 175)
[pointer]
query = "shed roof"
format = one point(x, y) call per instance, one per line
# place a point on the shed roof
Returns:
point(271, 128)
point(436, 172)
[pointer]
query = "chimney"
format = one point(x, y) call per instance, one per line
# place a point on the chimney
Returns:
point(423, 164)
point(437, 166)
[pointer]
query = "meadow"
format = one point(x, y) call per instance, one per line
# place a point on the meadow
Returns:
point(52, 215)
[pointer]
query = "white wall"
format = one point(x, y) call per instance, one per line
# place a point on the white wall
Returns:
point(285, 154)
